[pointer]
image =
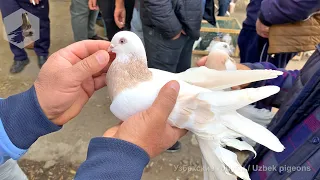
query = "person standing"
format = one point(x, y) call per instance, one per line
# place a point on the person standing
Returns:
point(83, 21)
point(107, 8)
point(170, 30)
point(39, 9)
point(253, 39)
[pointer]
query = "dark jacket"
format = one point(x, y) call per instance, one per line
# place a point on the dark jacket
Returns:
point(169, 17)
point(296, 124)
point(279, 11)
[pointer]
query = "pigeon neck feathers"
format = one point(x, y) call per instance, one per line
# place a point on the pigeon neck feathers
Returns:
point(127, 72)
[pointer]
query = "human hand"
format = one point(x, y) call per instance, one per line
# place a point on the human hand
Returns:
point(34, 2)
point(93, 5)
point(178, 35)
point(149, 129)
point(262, 30)
point(120, 16)
point(202, 62)
point(70, 77)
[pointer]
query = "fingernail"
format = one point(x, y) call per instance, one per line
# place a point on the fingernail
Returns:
point(175, 85)
point(101, 58)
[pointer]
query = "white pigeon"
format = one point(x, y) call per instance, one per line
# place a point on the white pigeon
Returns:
point(210, 115)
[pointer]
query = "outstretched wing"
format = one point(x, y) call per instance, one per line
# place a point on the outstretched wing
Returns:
point(219, 80)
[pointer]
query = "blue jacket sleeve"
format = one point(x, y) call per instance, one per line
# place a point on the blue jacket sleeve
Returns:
point(286, 11)
point(285, 82)
point(22, 122)
point(113, 159)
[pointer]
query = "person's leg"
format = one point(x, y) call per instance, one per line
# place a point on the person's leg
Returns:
point(79, 11)
point(10, 170)
point(20, 55)
point(107, 11)
point(186, 56)
point(223, 7)
point(129, 5)
point(42, 45)
point(162, 53)
point(136, 24)
point(92, 23)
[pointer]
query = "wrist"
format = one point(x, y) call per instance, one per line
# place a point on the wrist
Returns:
point(23, 119)
point(119, 4)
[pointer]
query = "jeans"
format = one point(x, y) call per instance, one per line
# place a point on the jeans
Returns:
point(10, 170)
point(83, 20)
point(136, 24)
point(166, 54)
point(223, 7)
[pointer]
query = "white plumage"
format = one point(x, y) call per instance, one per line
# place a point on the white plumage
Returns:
point(210, 115)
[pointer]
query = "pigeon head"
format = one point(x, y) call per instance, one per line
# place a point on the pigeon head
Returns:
point(222, 46)
point(126, 43)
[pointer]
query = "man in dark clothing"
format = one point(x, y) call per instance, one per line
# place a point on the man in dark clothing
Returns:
point(264, 13)
point(170, 29)
point(41, 46)
point(107, 8)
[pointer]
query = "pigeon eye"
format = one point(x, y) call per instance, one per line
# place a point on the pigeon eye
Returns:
point(225, 46)
point(122, 41)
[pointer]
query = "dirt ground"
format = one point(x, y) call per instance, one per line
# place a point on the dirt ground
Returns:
point(57, 156)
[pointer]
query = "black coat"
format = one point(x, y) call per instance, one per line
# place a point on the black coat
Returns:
point(169, 17)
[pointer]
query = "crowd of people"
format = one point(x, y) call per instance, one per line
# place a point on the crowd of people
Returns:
point(168, 30)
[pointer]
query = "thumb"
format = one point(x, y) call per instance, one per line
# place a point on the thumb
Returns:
point(90, 65)
point(165, 102)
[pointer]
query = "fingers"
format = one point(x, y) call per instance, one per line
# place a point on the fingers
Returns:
point(165, 102)
point(262, 30)
point(93, 5)
point(202, 61)
point(119, 18)
point(100, 81)
point(89, 66)
point(34, 2)
point(112, 131)
point(179, 132)
point(263, 34)
point(80, 50)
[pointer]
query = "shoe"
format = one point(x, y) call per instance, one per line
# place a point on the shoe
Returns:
point(42, 60)
point(176, 147)
point(96, 37)
point(18, 66)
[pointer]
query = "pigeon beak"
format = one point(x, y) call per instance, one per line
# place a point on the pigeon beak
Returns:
point(110, 48)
